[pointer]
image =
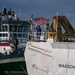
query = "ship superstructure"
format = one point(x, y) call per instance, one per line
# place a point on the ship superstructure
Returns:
point(13, 37)
point(53, 53)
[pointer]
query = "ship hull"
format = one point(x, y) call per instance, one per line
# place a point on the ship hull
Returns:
point(50, 58)
point(16, 68)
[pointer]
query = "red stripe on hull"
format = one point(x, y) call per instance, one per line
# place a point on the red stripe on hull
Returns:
point(4, 44)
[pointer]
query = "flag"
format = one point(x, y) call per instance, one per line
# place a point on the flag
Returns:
point(40, 21)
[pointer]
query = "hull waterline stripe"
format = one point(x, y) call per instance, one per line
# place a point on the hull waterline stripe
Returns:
point(4, 44)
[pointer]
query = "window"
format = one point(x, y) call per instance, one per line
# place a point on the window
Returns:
point(13, 29)
point(20, 28)
point(14, 34)
point(0, 35)
point(25, 29)
point(0, 28)
point(25, 35)
point(11, 34)
point(4, 28)
point(10, 28)
point(19, 35)
point(4, 35)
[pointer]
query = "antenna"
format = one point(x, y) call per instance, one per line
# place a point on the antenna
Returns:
point(4, 11)
point(20, 13)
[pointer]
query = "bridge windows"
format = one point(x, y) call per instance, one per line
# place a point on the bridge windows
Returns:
point(3, 28)
point(4, 38)
point(20, 32)
point(3, 34)
point(14, 28)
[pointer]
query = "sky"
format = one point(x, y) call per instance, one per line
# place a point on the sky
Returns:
point(45, 8)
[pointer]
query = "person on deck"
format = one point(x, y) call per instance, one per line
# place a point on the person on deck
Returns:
point(15, 42)
point(38, 31)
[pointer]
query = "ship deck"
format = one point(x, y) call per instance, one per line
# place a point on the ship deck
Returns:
point(15, 56)
point(13, 63)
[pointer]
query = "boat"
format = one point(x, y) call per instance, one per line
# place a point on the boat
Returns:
point(53, 53)
point(13, 38)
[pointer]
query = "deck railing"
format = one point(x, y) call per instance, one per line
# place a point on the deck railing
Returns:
point(38, 36)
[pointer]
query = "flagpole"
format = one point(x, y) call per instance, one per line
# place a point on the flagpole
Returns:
point(57, 24)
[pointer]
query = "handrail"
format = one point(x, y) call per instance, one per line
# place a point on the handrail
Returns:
point(38, 36)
